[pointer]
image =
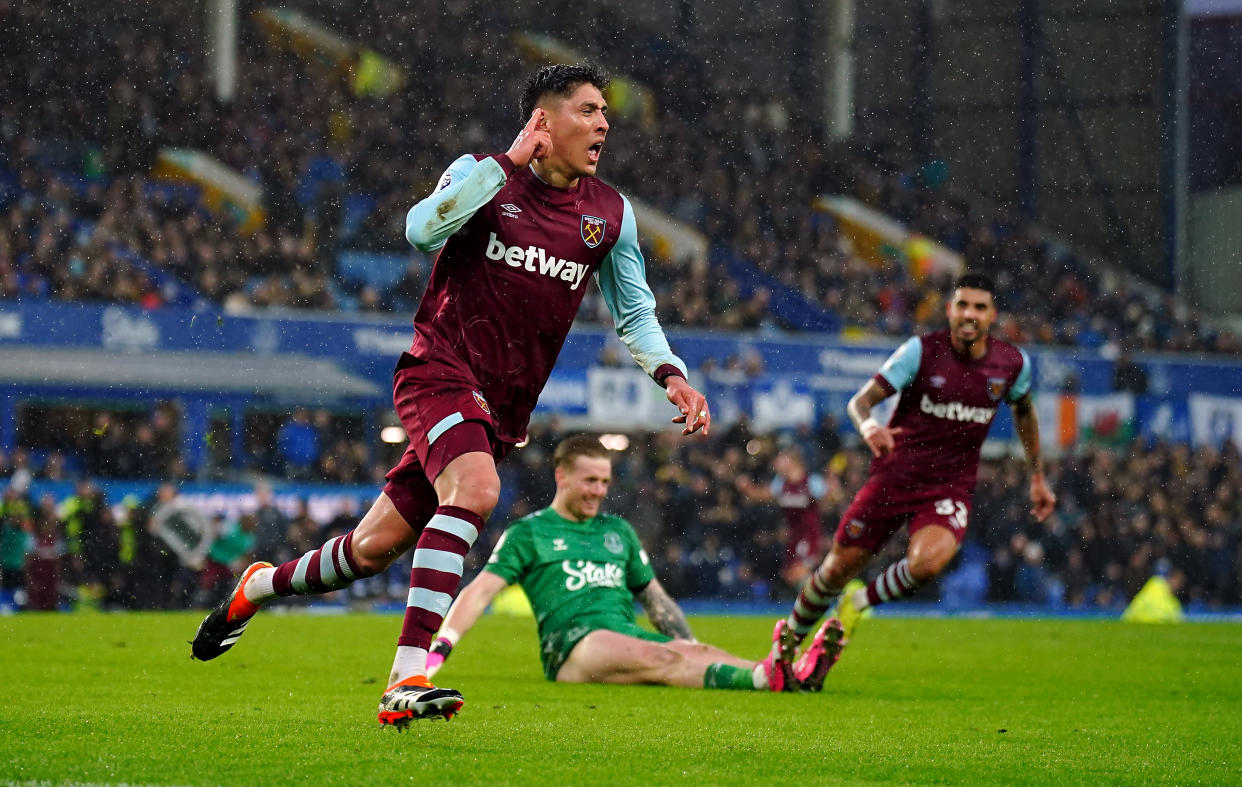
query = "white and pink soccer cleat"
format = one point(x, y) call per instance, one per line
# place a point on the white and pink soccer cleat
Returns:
point(777, 667)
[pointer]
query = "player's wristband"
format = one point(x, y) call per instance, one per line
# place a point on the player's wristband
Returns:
point(442, 647)
point(868, 427)
point(665, 371)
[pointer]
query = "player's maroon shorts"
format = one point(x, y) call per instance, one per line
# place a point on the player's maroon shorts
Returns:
point(882, 506)
point(445, 416)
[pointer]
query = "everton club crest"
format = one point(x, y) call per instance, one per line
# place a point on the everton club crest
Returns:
point(593, 230)
point(996, 387)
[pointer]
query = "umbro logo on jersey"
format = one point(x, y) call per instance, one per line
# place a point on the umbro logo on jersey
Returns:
point(559, 545)
point(537, 260)
point(510, 209)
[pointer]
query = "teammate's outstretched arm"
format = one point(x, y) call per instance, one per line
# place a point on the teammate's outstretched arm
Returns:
point(622, 281)
point(465, 612)
point(878, 437)
point(1027, 423)
point(664, 613)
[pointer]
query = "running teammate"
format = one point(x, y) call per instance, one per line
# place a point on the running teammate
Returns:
point(925, 461)
point(518, 233)
point(582, 571)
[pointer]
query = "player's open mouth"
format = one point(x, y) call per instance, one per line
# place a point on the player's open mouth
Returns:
point(593, 152)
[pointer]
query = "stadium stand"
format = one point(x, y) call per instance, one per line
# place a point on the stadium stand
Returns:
point(84, 220)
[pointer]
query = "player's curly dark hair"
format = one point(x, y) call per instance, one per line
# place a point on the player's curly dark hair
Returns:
point(975, 281)
point(578, 445)
point(560, 79)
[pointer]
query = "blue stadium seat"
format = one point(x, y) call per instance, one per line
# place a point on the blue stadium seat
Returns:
point(380, 271)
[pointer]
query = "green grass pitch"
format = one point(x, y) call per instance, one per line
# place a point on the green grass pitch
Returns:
point(115, 698)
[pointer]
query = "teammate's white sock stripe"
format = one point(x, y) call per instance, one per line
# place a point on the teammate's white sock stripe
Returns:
point(327, 566)
point(439, 560)
point(894, 586)
point(430, 600)
point(759, 677)
point(342, 565)
point(298, 581)
point(814, 596)
point(806, 614)
point(880, 590)
point(903, 571)
point(454, 526)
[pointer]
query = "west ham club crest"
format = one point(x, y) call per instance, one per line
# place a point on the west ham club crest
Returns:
point(481, 402)
point(996, 387)
point(593, 230)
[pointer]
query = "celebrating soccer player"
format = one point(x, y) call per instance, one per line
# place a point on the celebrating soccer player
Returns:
point(924, 461)
point(582, 571)
point(517, 234)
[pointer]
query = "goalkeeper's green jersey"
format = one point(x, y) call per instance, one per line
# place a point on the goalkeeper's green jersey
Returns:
point(575, 573)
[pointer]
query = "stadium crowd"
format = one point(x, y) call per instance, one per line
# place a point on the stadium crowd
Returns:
point(1124, 515)
point(75, 182)
point(95, 94)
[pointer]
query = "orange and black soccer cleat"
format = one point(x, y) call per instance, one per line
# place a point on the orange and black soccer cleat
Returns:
point(225, 624)
point(415, 698)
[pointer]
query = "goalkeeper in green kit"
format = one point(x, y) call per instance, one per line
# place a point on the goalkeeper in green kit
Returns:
point(582, 571)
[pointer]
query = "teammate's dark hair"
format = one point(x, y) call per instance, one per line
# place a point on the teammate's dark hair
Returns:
point(571, 448)
point(560, 79)
point(975, 281)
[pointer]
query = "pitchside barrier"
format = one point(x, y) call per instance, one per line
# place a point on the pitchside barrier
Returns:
point(209, 362)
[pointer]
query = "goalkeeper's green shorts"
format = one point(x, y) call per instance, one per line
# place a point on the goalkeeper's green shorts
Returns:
point(556, 646)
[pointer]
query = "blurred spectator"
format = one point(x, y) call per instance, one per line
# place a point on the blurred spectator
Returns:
point(797, 493)
point(1128, 376)
point(230, 550)
point(271, 527)
point(44, 566)
point(298, 443)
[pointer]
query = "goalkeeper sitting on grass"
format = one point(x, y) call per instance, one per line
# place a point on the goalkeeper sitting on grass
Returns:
point(582, 571)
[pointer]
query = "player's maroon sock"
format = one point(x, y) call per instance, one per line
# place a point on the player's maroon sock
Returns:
point(813, 601)
point(438, 559)
point(893, 583)
point(331, 567)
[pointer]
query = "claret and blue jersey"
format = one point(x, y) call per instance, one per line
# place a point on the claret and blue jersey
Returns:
point(514, 256)
point(946, 405)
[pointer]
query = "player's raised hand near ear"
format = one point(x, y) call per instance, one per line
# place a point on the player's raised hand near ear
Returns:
point(533, 142)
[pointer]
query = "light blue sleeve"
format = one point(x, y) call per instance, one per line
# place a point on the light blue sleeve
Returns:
point(903, 364)
point(465, 186)
point(819, 486)
point(622, 278)
point(1022, 385)
point(776, 486)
